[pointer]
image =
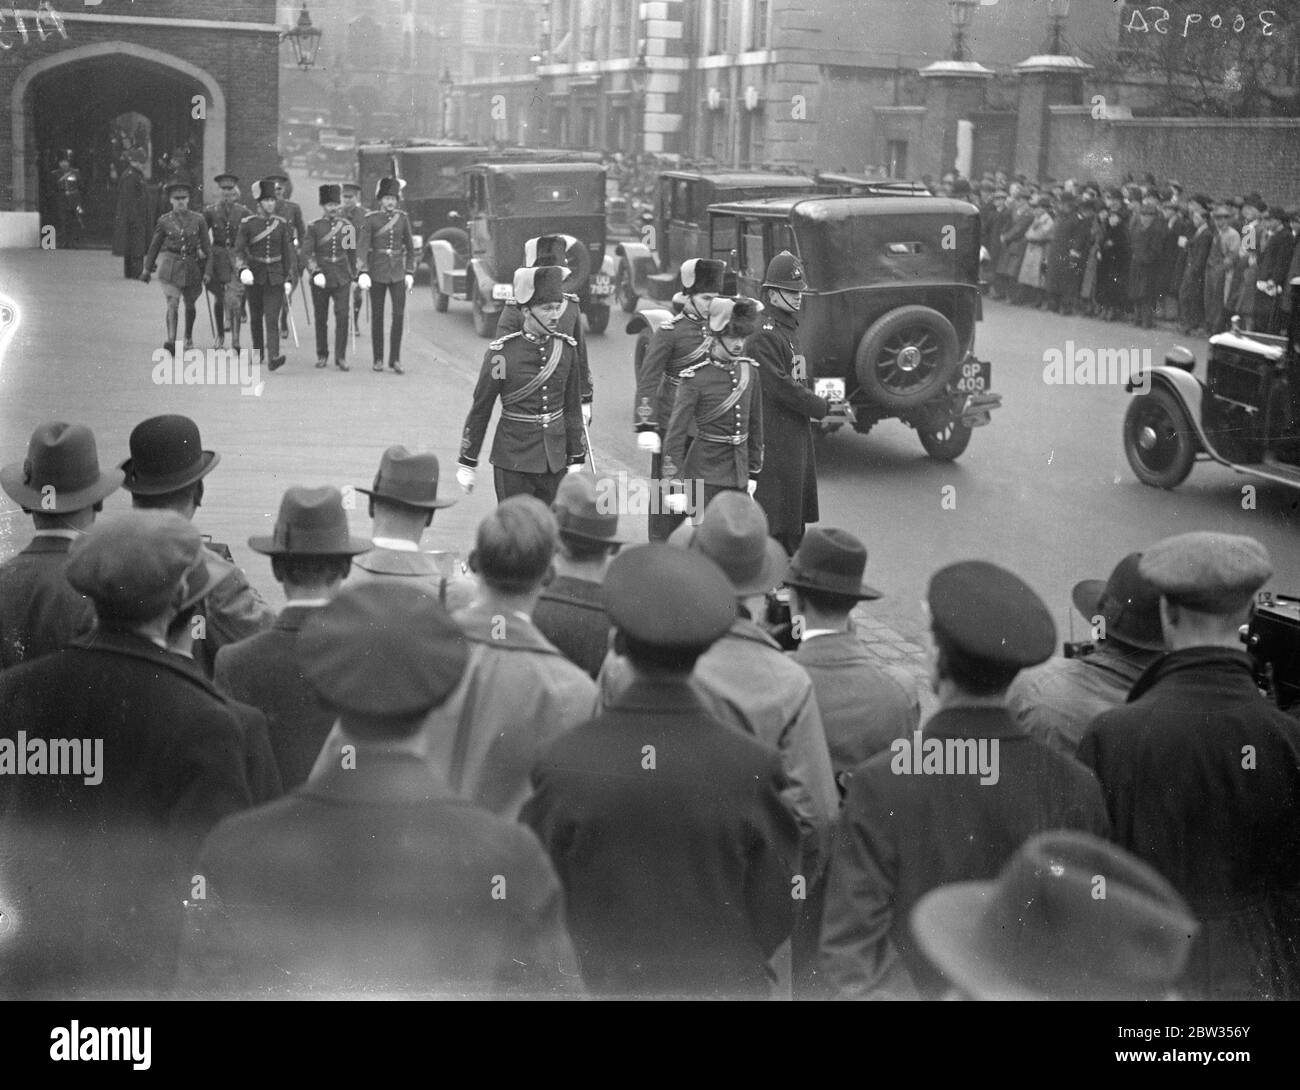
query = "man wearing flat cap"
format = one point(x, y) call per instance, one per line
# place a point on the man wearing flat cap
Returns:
point(311, 551)
point(954, 804)
point(61, 486)
point(374, 877)
point(150, 758)
point(1056, 701)
point(665, 825)
point(1202, 774)
point(533, 373)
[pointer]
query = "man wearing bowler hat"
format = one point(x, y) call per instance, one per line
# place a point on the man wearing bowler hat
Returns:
point(665, 825)
point(539, 434)
point(311, 551)
point(1202, 774)
point(1057, 700)
point(403, 499)
point(223, 218)
point(96, 851)
point(386, 260)
point(956, 804)
point(61, 486)
point(179, 251)
point(374, 877)
point(329, 252)
point(264, 255)
point(166, 471)
point(571, 612)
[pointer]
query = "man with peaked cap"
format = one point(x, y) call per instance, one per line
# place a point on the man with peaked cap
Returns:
point(374, 877)
point(179, 251)
point(533, 372)
point(571, 612)
point(166, 471)
point(1040, 931)
point(1057, 700)
point(665, 825)
point(61, 486)
point(386, 259)
point(223, 218)
point(356, 214)
point(329, 251)
point(403, 498)
point(719, 409)
point(956, 804)
point(291, 213)
point(678, 342)
point(142, 759)
point(131, 222)
point(311, 552)
point(265, 259)
point(553, 250)
point(1202, 774)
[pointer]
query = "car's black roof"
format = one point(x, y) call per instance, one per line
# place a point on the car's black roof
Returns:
point(533, 167)
point(835, 207)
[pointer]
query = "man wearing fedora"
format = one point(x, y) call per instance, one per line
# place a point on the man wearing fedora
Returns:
point(532, 371)
point(264, 255)
point(679, 342)
point(1057, 701)
point(403, 498)
point(374, 877)
point(571, 612)
point(329, 252)
point(165, 472)
point(61, 486)
point(179, 252)
point(386, 260)
point(1202, 774)
point(311, 552)
point(94, 859)
point(223, 218)
point(910, 825)
point(1038, 931)
point(665, 825)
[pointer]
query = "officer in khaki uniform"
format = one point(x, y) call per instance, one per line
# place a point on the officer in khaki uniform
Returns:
point(223, 218)
point(534, 374)
point(386, 259)
point(264, 257)
point(329, 252)
point(179, 251)
point(677, 343)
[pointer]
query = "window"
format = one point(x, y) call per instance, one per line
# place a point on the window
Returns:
point(721, 25)
point(680, 201)
point(758, 27)
point(620, 43)
point(723, 242)
point(753, 259)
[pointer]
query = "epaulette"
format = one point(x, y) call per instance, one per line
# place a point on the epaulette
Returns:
point(250, 216)
point(569, 295)
point(501, 341)
point(670, 323)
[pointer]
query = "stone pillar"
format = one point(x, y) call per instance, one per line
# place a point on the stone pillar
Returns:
point(1045, 80)
point(953, 91)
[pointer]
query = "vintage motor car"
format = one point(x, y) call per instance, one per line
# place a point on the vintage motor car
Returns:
point(509, 203)
point(893, 299)
point(1244, 415)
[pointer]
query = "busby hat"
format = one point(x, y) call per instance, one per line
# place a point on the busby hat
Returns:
point(548, 249)
point(388, 187)
point(785, 273)
point(407, 478)
point(702, 274)
point(733, 317)
point(61, 472)
point(542, 284)
point(264, 190)
point(330, 194)
point(311, 522)
point(166, 455)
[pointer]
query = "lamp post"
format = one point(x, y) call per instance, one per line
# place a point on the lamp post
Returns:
point(304, 39)
point(446, 85)
point(639, 76)
point(1059, 10)
point(959, 13)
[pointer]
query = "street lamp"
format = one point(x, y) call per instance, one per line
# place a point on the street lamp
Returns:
point(960, 12)
point(304, 39)
point(445, 85)
point(1058, 10)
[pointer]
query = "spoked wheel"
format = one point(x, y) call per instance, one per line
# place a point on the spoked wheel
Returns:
point(1158, 439)
point(907, 357)
point(623, 292)
point(944, 440)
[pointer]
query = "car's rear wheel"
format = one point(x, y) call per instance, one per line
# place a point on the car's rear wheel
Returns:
point(907, 357)
point(623, 291)
point(459, 242)
point(597, 318)
point(578, 261)
point(485, 323)
point(1159, 441)
point(944, 438)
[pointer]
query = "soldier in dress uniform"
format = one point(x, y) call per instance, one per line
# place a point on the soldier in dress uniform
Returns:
point(356, 214)
point(677, 343)
point(67, 187)
point(223, 218)
point(179, 251)
point(291, 213)
point(386, 257)
point(264, 257)
point(552, 250)
point(719, 403)
point(329, 252)
point(534, 373)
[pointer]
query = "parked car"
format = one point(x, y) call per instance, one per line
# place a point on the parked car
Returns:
point(1245, 414)
point(507, 204)
point(892, 303)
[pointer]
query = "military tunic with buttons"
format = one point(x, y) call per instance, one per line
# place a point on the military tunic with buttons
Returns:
point(179, 250)
point(329, 246)
point(223, 221)
point(291, 213)
point(512, 319)
point(720, 405)
point(263, 245)
point(677, 343)
point(540, 430)
point(386, 247)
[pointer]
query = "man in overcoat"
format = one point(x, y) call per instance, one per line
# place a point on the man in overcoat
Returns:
point(1146, 262)
point(131, 223)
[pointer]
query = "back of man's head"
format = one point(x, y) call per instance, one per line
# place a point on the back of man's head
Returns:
point(972, 674)
point(515, 546)
point(184, 501)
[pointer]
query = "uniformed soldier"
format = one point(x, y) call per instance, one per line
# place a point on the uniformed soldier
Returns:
point(787, 490)
point(553, 250)
point(677, 343)
point(179, 251)
point(533, 371)
point(329, 250)
point(263, 255)
point(356, 214)
point(291, 213)
point(386, 257)
point(223, 218)
point(719, 404)
point(67, 187)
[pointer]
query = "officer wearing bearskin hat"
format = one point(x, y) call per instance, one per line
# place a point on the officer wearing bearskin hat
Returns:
point(386, 259)
point(329, 252)
point(264, 257)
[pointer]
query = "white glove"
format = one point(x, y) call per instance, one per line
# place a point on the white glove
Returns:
point(577, 467)
point(586, 413)
point(288, 289)
point(465, 478)
point(675, 503)
point(410, 282)
point(1182, 242)
point(246, 277)
point(752, 486)
point(319, 280)
point(649, 442)
point(363, 281)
